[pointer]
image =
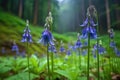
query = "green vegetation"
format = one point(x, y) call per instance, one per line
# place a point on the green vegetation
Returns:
point(65, 67)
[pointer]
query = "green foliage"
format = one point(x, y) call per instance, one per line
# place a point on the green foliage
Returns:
point(22, 76)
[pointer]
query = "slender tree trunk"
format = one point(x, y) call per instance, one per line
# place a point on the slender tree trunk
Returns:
point(117, 2)
point(4, 4)
point(90, 2)
point(83, 9)
point(49, 6)
point(35, 19)
point(108, 26)
point(20, 8)
point(107, 13)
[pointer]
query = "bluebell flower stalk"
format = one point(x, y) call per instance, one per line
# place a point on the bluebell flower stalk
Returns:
point(27, 36)
point(111, 44)
point(15, 48)
point(28, 39)
point(47, 40)
point(99, 47)
point(78, 45)
point(62, 49)
point(90, 32)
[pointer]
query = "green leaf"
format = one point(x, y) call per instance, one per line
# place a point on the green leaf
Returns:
point(22, 76)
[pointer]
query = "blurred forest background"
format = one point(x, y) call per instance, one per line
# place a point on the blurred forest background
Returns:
point(67, 14)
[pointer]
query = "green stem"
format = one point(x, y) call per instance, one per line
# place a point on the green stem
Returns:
point(79, 59)
point(97, 49)
point(88, 56)
point(98, 62)
point(52, 64)
point(48, 62)
point(110, 62)
point(28, 62)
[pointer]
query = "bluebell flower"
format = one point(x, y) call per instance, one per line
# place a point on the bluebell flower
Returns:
point(112, 44)
point(84, 52)
point(23, 54)
point(94, 52)
point(15, 47)
point(85, 23)
point(101, 50)
point(68, 52)
point(111, 33)
point(85, 43)
point(89, 25)
point(73, 48)
point(62, 49)
point(26, 36)
point(3, 50)
point(78, 44)
point(46, 38)
point(52, 49)
point(117, 51)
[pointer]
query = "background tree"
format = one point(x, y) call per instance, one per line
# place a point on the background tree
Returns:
point(20, 8)
point(35, 10)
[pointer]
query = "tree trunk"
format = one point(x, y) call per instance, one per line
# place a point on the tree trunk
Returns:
point(107, 13)
point(4, 4)
point(49, 6)
point(20, 8)
point(35, 19)
point(117, 11)
point(90, 2)
point(83, 10)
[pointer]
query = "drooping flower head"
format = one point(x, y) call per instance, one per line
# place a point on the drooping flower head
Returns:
point(111, 33)
point(78, 44)
point(27, 36)
point(112, 44)
point(62, 49)
point(23, 54)
point(72, 47)
point(15, 47)
point(68, 52)
point(84, 52)
point(100, 48)
point(117, 51)
point(52, 49)
point(89, 24)
point(46, 37)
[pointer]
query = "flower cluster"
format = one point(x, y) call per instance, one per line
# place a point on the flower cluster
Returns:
point(112, 42)
point(15, 48)
point(89, 25)
point(46, 37)
point(52, 49)
point(27, 36)
point(78, 44)
point(99, 47)
point(62, 49)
